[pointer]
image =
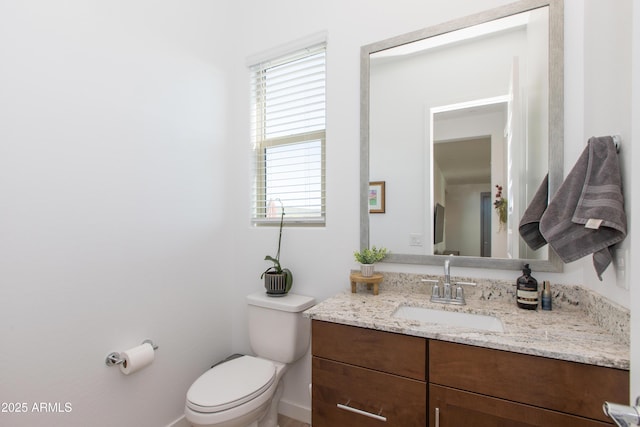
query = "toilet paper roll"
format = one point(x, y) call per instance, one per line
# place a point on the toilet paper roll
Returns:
point(136, 358)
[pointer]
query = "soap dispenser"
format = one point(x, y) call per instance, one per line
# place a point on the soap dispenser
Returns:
point(527, 290)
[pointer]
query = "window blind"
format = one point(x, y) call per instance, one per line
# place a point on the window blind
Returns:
point(288, 137)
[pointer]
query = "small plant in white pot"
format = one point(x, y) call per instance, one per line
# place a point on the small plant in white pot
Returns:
point(368, 257)
point(277, 280)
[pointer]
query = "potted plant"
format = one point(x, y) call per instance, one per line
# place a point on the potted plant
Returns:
point(368, 257)
point(277, 280)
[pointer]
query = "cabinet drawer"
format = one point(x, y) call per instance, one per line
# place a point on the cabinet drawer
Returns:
point(400, 401)
point(461, 408)
point(568, 387)
point(383, 351)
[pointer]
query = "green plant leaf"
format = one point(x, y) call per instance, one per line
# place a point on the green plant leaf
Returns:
point(288, 279)
point(276, 263)
point(370, 256)
point(277, 268)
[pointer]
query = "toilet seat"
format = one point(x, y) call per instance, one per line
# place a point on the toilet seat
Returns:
point(231, 384)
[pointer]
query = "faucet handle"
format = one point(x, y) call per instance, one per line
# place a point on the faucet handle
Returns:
point(466, 284)
point(460, 290)
point(435, 290)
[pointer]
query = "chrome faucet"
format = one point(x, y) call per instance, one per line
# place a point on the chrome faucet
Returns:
point(448, 295)
point(447, 269)
point(447, 279)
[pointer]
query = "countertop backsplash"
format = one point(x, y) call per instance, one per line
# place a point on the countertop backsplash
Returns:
point(604, 312)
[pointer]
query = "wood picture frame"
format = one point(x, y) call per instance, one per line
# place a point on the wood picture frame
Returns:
point(376, 196)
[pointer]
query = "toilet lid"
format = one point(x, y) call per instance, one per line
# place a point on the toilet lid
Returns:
point(231, 384)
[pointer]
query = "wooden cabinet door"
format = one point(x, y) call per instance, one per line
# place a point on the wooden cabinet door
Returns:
point(449, 407)
point(349, 396)
point(562, 386)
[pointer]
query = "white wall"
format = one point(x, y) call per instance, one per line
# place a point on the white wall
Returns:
point(113, 224)
point(598, 84)
point(462, 218)
point(124, 162)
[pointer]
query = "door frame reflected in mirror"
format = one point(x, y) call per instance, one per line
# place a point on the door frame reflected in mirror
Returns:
point(462, 175)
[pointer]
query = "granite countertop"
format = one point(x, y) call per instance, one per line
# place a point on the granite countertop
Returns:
point(582, 327)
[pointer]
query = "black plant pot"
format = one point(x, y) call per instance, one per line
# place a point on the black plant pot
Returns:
point(276, 284)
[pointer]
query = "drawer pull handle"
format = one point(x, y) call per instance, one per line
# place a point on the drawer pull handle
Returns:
point(358, 411)
point(437, 417)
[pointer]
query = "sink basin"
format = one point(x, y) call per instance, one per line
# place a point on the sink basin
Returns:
point(450, 318)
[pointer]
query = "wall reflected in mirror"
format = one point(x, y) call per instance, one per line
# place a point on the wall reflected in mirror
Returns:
point(450, 118)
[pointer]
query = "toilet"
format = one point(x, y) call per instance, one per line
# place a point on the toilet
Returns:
point(245, 391)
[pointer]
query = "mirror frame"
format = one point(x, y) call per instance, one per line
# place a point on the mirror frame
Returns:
point(556, 125)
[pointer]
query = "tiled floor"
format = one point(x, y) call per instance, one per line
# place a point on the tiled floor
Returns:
point(289, 422)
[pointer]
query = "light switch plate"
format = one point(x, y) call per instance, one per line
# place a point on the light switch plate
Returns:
point(415, 239)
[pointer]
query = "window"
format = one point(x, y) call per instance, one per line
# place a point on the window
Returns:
point(288, 137)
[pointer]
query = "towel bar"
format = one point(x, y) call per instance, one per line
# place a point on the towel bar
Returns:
point(617, 140)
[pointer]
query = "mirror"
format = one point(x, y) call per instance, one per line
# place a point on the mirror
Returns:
point(450, 116)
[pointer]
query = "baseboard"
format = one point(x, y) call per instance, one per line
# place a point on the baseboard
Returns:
point(295, 411)
point(180, 422)
point(286, 408)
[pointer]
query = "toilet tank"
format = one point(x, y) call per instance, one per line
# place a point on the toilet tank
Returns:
point(277, 329)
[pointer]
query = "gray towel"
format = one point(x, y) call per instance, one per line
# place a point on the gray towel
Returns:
point(587, 214)
point(529, 227)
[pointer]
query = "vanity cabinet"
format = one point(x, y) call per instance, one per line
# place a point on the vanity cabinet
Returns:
point(362, 377)
point(487, 387)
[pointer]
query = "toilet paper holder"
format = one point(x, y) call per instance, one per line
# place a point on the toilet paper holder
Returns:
point(114, 358)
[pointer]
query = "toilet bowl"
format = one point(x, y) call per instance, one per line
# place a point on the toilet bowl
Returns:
point(246, 391)
point(237, 393)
